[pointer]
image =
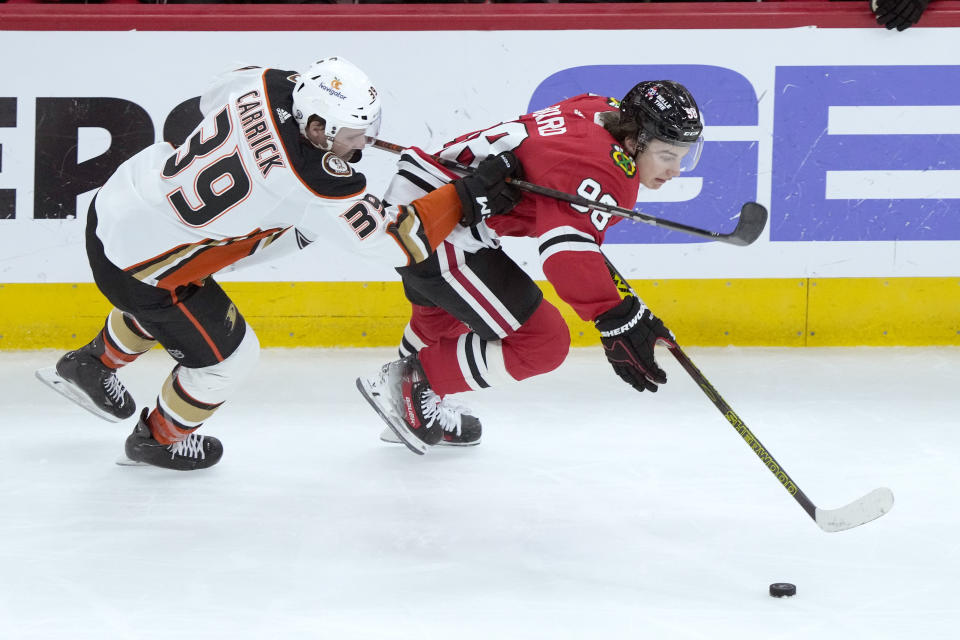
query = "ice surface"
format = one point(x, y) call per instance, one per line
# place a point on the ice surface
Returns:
point(589, 511)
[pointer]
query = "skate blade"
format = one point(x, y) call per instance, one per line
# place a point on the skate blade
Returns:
point(68, 390)
point(389, 437)
point(399, 430)
point(124, 461)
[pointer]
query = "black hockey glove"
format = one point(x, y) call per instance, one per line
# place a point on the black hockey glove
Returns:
point(898, 14)
point(628, 333)
point(484, 193)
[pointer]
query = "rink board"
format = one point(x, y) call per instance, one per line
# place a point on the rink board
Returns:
point(707, 312)
point(862, 241)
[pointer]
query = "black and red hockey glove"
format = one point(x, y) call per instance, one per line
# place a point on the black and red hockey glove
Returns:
point(629, 333)
point(898, 14)
point(485, 193)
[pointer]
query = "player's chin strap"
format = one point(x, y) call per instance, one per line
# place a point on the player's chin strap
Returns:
point(750, 224)
point(860, 511)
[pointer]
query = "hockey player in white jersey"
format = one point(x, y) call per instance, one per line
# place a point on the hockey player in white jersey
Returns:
point(267, 172)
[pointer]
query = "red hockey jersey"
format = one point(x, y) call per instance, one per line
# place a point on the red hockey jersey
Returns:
point(563, 147)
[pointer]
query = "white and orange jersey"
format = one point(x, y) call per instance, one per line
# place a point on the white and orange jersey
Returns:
point(244, 180)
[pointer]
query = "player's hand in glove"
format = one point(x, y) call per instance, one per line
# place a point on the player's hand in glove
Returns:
point(898, 14)
point(485, 193)
point(628, 333)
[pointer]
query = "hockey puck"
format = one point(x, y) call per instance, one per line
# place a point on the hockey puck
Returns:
point(781, 589)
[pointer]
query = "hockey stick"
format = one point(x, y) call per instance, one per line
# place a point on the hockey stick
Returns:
point(750, 224)
point(860, 511)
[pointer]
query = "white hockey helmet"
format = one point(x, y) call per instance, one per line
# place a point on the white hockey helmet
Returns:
point(337, 91)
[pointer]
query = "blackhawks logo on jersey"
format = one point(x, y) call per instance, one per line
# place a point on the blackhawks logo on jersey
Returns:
point(623, 160)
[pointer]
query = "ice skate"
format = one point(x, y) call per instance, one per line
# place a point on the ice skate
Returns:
point(82, 378)
point(195, 452)
point(460, 428)
point(397, 393)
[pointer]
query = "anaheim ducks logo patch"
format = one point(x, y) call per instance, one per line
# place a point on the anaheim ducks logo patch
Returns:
point(336, 166)
point(623, 160)
point(230, 320)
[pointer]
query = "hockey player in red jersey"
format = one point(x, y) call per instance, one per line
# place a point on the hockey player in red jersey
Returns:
point(265, 174)
point(478, 319)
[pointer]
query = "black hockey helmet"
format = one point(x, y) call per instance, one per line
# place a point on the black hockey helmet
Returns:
point(665, 110)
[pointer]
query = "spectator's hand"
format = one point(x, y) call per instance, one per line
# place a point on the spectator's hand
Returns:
point(898, 14)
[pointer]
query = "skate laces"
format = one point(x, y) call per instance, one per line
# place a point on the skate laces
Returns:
point(190, 447)
point(114, 388)
point(435, 409)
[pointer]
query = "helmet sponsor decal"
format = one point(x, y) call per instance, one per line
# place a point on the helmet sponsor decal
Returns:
point(623, 160)
point(334, 90)
point(661, 103)
point(336, 166)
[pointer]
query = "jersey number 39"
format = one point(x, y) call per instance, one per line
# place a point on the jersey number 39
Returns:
point(218, 185)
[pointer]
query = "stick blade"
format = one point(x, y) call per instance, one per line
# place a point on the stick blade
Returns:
point(869, 507)
point(753, 220)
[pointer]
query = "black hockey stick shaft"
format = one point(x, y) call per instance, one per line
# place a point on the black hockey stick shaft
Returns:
point(741, 428)
point(750, 224)
point(752, 441)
